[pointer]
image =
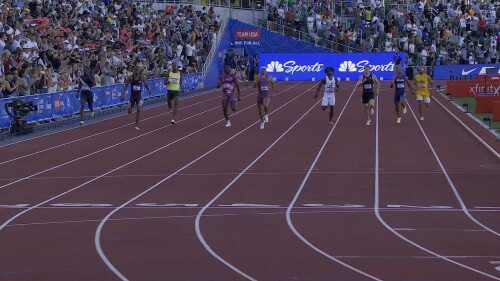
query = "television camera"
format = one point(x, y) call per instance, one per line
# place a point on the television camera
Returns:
point(18, 109)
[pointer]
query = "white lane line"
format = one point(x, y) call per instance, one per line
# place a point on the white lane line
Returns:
point(216, 174)
point(299, 191)
point(448, 179)
point(114, 117)
point(97, 240)
point(377, 200)
point(118, 168)
point(202, 211)
point(484, 143)
point(103, 132)
point(108, 147)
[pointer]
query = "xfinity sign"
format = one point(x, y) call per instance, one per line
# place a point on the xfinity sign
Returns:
point(311, 66)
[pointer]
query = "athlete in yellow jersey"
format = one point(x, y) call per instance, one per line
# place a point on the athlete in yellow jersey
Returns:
point(173, 80)
point(422, 81)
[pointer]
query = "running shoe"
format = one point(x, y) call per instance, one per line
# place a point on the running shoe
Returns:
point(368, 122)
point(262, 125)
point(81, 123)
point(172, 122)
point(92, 114)
point(398, 120)
point(372, 111)
point(228, 124)
point(405, 110)
point(266, 119)
point(422, 118)
point(137, 128)
point(330, 123)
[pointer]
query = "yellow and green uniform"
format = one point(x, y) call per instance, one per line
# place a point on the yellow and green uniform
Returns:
point(175, 81)
point(422, 85)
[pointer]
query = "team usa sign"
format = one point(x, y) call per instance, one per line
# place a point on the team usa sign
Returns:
point(311, 66)
point(247, 37)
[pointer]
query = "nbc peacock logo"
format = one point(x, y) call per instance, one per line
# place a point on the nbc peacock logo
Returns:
point(347, 66)
point(275, 66)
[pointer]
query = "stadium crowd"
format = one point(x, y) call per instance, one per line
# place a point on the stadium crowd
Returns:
point(45, 45)
point(430, 32)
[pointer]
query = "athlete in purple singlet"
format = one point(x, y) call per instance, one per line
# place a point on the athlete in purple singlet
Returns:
point(265, 86)
point(228, 82)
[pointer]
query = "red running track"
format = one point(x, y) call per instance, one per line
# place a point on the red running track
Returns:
point(299, 200)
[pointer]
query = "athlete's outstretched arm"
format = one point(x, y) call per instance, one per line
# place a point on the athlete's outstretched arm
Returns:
point(393, 81)
point(237, 87)
point(271, 81)
point(409, 85)
point(166, 82)
point(360, 81)
point(219, 83)
point(320, 85)
point(431, 83)
point(144, 81)
point(127, 81)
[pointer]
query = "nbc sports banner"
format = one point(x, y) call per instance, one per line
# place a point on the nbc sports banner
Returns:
point(311, 66)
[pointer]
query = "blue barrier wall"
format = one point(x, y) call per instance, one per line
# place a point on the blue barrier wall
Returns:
point(254, 40)
point(66, 103)
point(443, 72)
point(311, 66)
point(216, 68)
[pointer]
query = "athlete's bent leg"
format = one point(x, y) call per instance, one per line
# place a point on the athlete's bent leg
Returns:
point(233, 106)
point(176, 103)
point(224, 109)
point(138, 115)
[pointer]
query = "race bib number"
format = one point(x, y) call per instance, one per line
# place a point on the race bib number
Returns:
point(329, 89)
point(85, 88)
point(264, 88)
point(136, 88)
point(422, 84)
point(367, 86)
point(400, 85)
point(227, 88)
point(174, 80)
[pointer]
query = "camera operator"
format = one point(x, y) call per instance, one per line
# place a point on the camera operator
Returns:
point(85, 84)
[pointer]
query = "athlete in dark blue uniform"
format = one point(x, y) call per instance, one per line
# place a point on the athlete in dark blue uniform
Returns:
point(85, 84)
point(400, 94)
point(136, 81)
